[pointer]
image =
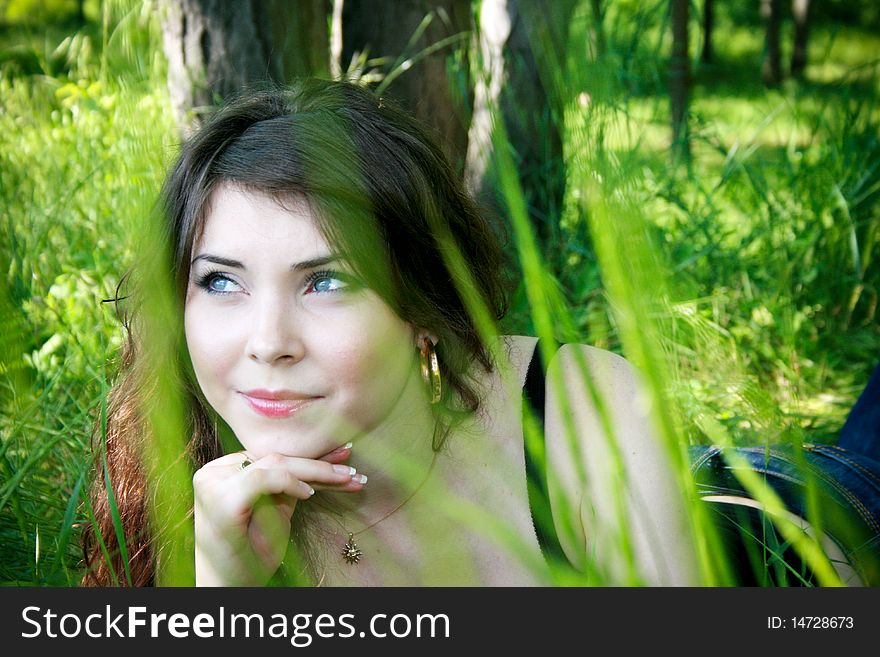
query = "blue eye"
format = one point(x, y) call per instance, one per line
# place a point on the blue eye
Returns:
point(321, 282)
point(216, 283)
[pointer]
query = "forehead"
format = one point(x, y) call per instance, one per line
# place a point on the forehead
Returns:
point(244, 221)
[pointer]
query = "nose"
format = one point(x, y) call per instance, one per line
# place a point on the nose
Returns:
point(274, 337)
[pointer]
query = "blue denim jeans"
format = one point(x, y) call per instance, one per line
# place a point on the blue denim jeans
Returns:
point(836, 488)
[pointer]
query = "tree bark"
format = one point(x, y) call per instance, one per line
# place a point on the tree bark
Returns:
point(708, 24)
point(800, 10)
point(599, 41)
point(424, 87)
point(679, 78)
point(771, 71)
point(523, 49)
point(216, 48)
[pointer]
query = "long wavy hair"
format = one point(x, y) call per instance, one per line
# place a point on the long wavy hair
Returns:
point(382, 192)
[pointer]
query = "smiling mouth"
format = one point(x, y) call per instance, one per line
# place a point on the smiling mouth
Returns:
point(277, 408)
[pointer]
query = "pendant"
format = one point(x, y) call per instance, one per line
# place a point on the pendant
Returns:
point(351, 552)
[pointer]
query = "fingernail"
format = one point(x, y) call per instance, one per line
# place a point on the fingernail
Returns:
point(311, 491)
point(361, 478)
point(344, 469)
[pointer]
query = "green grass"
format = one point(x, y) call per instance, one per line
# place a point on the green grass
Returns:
point(764, 331)
point(767, 242)
point(83, 148)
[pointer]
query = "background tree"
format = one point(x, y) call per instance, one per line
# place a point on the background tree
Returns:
point(522, 53)
point(708, 19)
point(800, 10)
point(415, 38)
point(599, 38)
point(215, 48)
point(679, 78)
point(771, 71)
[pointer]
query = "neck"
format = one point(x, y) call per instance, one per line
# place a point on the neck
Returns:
point(397, 458)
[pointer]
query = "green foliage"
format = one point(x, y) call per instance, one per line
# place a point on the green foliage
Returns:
point(84, 140)
point(38, 11)
point(767, 243)
point(752, 270)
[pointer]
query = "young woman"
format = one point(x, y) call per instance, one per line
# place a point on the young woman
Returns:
point(327, 262)
point(329, 266)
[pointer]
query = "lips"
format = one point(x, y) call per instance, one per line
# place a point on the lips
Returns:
point(277, 403)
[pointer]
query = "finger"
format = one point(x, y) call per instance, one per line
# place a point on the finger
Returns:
point(233, 458)
point(269, 531)
point(356, 484)
point(309, 470)
point(285, 504)
point(338, 455)
point(258, 482)
point(220, 469)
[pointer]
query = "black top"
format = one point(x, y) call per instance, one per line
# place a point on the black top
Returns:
point(534, 395)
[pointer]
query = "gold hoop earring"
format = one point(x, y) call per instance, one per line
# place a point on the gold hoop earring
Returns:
point(431, 370)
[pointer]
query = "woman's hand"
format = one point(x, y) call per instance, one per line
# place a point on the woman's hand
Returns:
point(242, 516)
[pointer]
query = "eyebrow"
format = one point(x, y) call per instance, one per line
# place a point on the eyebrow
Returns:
point(298, 266)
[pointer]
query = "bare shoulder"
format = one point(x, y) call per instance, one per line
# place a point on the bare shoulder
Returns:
point(604, 455)
point(588, 391)
point(604, 368)
point(590, 383)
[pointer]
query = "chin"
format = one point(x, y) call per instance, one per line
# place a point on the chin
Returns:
point(260, 442)
point(312, 433)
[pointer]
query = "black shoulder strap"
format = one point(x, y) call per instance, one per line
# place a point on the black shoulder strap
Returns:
point(534, 395)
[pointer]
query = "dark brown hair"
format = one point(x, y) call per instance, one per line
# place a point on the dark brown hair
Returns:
point(382, 193)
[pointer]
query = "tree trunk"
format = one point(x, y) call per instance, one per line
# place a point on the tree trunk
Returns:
point(493, 36)
point(599, 42)
point(800, 10)
point(421, 85)
point(708, 21)
point(216, 48)
point(523, 44)
point(679, 79)
point(771, 71)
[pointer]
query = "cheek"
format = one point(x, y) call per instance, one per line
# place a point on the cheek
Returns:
point(375, 358)
point(209, 347)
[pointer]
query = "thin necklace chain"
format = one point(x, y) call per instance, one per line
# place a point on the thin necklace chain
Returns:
point(397, 508)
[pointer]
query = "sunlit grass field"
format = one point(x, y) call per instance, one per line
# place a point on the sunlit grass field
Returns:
point(751, 271)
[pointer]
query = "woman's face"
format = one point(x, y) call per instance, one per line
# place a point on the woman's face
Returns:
point(287, 345)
